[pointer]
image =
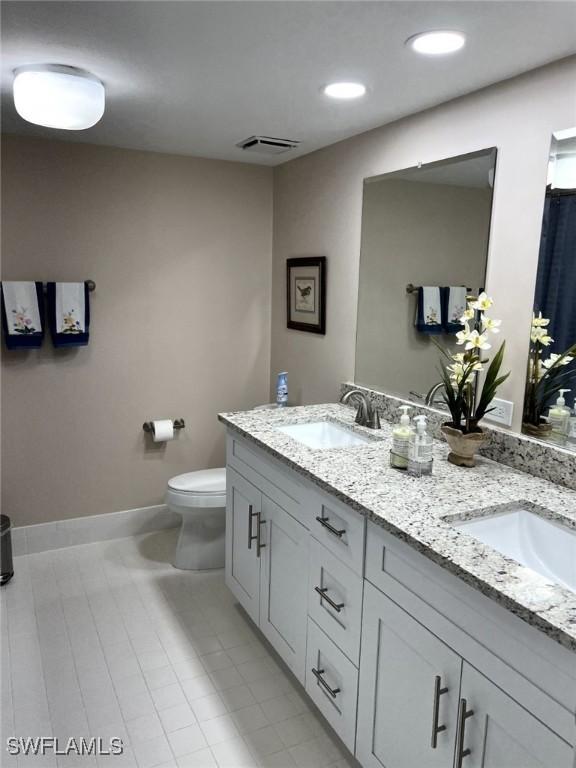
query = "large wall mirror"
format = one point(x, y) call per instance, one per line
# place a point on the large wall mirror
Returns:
point(548, 408)
point(425, 234)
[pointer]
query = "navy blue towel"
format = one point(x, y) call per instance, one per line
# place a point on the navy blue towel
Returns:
point(69, 314)
point(23, 314)
point(453, 307)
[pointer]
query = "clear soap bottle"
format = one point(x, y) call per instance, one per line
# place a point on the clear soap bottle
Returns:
point(420, 449)
point(400, 440)
point(559, 415)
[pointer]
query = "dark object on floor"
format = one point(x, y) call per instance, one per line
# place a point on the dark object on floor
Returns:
point(6, 567)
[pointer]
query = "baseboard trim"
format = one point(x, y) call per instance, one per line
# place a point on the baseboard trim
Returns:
point(29, 539)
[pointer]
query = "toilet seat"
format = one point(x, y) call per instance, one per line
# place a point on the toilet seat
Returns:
point(205, 488)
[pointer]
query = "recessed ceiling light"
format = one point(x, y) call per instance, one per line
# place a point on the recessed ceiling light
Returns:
point(437, 43)
point(57, 96)
point(345, 90)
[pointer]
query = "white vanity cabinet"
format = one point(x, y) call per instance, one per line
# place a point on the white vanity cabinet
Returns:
point(421, 704)
point(412, 667)
point(267, 559)
point(409, 688)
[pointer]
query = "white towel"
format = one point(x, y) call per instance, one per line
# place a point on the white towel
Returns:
point(22, 313)
point(70, 308)
point(456, 305)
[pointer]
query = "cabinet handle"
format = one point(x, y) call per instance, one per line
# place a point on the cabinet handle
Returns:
point(251, 537)
point(436, 729)
point(324, 521)
point(463, 715)
point(323, 596)
point(318, 675)
point(259, 524)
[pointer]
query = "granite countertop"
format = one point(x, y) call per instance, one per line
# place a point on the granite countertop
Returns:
point(414, 509)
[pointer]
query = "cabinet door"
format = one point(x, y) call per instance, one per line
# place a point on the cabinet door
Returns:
point(284, 585)
point(408, 695)
point(499, 733)
point(243, 516)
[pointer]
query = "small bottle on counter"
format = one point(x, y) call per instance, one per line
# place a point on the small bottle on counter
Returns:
point(282, 390)
point(559, 415)
point(400, 440)
point(420, 449)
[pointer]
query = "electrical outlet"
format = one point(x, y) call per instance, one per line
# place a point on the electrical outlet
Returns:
point(502, 413)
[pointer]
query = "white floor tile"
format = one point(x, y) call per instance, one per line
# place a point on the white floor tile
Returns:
point(219, 729)
point(177, 717)
point(187, 740)
point(98, 640)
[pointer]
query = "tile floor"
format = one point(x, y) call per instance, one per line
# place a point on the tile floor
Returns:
point(108, 640)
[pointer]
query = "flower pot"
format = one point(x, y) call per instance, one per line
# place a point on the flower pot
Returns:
point(542, 431)
point(463, 447)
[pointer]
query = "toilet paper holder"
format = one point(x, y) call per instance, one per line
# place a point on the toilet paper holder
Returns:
point(148, 425)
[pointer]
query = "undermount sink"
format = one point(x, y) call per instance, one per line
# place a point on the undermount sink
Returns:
point(323, 434)
point(547, 547)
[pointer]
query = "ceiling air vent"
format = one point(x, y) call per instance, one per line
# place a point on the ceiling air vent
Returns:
point(267, 145)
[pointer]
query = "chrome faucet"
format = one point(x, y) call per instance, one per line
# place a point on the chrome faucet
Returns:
point(430, 398)
point(366, 415)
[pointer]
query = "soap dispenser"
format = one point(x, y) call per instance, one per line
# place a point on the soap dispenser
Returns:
point(559, 415)
point(420, 449)
point(400, 439)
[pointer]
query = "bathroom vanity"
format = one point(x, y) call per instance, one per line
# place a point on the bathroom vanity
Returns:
point(419, 644)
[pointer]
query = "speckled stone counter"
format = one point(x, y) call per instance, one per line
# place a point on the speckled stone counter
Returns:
point(413, 509)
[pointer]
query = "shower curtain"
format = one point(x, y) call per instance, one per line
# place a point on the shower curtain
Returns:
point(556, 279)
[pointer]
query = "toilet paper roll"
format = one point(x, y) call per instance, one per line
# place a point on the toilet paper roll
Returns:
point(162, 430)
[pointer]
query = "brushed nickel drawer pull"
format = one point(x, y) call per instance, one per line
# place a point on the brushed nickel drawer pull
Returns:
point(322, 591)
point(463, 715)
point(436, 729)
point(318, 675)
point(324, 521)
point(251, 537)
point(259, 524)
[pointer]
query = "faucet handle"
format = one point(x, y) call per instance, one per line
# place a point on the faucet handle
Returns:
point(375, 419)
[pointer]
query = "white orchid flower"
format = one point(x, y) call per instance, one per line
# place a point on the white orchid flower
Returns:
point(463, 336)
point(490, 324)
point(553, 358)
point(539, 335)
point(468, 315)
point(482, 303)
point(539, 322)
point(458, 357)
point(477, 341)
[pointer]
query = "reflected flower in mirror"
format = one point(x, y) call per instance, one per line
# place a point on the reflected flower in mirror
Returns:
point(545, 376)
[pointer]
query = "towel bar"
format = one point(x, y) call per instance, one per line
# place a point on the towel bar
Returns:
point(178, 424)
point(410, 288)
point(90, 283)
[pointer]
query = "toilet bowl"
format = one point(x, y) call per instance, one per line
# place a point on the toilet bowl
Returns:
point(200, 499)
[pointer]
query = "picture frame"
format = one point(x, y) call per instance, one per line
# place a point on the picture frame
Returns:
point(306, 294)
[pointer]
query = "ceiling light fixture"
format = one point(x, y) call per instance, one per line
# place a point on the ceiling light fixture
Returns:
point(57, 96)
point(438, 42)
point(345, 90)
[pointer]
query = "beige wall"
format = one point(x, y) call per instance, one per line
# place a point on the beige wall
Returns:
point(180, 249)
point(421, 233)
point(318, 205)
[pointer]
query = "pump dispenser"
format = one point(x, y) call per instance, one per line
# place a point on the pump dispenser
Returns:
point(400, 439)
point(559, 415)
point(420, 449)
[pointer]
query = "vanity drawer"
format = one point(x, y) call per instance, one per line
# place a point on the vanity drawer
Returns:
point(339, 528)
point(332, 684)
point(335, 599)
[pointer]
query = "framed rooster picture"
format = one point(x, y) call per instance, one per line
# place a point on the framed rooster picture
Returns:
point(306, 294)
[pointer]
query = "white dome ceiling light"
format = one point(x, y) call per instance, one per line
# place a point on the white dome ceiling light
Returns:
point(57, 96)
point(344, 90)
point(438, 42)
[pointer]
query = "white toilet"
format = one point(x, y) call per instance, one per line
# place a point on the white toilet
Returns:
point(200, 498)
